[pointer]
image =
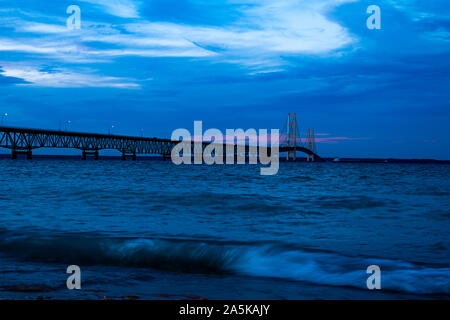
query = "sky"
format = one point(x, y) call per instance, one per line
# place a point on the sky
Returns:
point(148, 67)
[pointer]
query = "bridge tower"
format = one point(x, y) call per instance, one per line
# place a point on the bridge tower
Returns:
point(311, 144)
point(291, 140)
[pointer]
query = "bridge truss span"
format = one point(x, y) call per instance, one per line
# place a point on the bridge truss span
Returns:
point(23, 141)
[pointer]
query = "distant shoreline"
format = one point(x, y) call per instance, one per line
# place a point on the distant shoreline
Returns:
point(386, 160)
point(299, 159)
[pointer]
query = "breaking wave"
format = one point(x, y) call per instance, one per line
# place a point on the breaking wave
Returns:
point(257, 260)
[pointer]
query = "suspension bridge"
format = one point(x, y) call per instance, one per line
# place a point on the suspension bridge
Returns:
point(25, 140)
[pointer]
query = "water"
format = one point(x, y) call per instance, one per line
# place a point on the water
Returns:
point(153, 230)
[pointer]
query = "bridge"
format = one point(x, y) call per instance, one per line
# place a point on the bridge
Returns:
point(25, 140)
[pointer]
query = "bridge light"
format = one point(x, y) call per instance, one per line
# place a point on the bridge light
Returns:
point(66, 123)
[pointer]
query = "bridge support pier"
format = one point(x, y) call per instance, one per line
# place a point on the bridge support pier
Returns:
point(131, 155)
point(15, 152)
point(288, 155)
point(85, 153)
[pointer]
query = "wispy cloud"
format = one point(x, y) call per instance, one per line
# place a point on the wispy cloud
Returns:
point(35, 76)
point(335, 140)
point(119, 8)
point(419, 10)
point(36, 27)
point(440, 34)
point(266, 31)
point(325, 138)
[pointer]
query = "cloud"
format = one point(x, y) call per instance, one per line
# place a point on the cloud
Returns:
point(7, 81)
point(36, 46)
point(265, 33)
point(419, 10)
point(324, 138)
point(119, 8)
point(335, 140)
point(440, 34)
point(36, 76)
point(96, 42)
point(36, 27)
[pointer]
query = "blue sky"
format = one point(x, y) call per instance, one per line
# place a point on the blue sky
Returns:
point(158, 65)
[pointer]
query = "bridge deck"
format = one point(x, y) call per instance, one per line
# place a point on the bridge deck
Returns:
point(27, 139)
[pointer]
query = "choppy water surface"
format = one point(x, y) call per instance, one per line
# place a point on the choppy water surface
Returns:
point(155, 230)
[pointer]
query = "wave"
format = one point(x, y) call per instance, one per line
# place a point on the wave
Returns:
point(257, 260)
point(350, 203)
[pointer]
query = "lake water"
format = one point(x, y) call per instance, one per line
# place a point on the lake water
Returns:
point(154, 230)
